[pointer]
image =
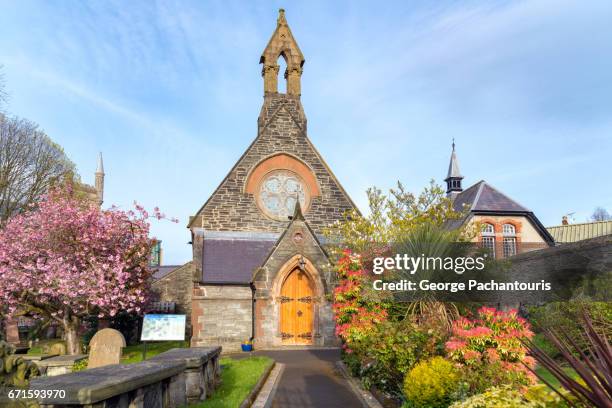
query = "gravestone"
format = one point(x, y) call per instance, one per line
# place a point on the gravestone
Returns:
point(12, 331)
point(105, 348)
point(58, 348)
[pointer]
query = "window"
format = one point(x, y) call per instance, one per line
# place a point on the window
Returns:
point(509, 246)
point(488, 238)
point(509, 232)
point(278, 193)
point(489, 243)
point(488, 229)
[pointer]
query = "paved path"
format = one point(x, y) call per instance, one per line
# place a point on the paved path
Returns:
point(311, 379)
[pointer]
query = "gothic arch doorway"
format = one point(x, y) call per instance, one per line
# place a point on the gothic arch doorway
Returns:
point(296, 304)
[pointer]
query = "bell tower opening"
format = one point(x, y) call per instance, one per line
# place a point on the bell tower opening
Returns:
point(282, 72)
point(282, 56)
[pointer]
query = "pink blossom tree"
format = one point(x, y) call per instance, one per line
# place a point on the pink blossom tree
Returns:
point(67, 258)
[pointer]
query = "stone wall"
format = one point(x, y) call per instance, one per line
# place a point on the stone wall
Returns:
point(222, 314)
point(177, 286)
point(169, 380)
point(563, 265)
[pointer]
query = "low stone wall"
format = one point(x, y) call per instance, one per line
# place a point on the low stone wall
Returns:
point(201, 369)
point(168, 380)
point(58, 365)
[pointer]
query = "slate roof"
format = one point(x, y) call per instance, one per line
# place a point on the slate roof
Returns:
point(579, 232)
point(163, 271)
point(231, 257)
point(484, 197)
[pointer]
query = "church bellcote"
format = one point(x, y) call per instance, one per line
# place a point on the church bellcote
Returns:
point(454, 177)
point(282, 44)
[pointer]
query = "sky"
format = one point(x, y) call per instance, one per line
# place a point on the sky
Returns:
point(170, 92)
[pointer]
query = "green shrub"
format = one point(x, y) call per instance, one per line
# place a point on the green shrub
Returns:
point(431, 383)
point(80, 365)
point(537, 396)
point(386, 353)
point(566, 317)
point(496, 397)
point(546, 397)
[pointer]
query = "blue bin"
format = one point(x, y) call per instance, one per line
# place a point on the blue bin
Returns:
point(247, 347)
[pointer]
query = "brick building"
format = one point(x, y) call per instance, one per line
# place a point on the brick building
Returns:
point(259, 270)
point(506, 227)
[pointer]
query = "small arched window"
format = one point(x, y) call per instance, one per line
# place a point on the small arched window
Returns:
point(488, 229)
point(509, 230)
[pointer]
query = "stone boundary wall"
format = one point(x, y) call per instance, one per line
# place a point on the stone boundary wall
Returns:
point(169, 380)
point(564, 263)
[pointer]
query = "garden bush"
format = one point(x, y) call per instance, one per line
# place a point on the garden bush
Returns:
point(377, 350)
point(489, 349)
point(80, 365)
point(506, 397)
point(387, 353)
point(432, 383)
point(496, 397)
point(566, 317)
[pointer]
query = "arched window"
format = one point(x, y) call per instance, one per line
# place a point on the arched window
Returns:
point(509, 232)
point(488, 238)
point(488, 229)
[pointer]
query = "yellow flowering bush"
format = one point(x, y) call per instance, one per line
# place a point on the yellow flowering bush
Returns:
point(431, 383)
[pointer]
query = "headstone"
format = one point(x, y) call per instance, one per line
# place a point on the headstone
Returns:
point(58, 348)
point(105, 348)
point(12, 331)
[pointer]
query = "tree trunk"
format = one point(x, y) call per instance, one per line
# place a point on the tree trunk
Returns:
point(71, 335)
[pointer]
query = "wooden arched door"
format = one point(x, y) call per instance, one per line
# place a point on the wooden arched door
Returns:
point(296, 316)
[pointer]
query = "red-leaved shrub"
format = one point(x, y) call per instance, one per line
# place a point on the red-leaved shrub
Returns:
point(489, 349)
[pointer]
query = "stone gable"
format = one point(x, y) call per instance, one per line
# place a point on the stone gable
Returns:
point(298, 241)
point(281, 129)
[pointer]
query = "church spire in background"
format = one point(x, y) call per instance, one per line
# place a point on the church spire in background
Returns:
point(453, 177)
point(99, 185)
point(282, 44)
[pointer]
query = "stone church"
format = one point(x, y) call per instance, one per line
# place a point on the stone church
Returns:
point(259, 268)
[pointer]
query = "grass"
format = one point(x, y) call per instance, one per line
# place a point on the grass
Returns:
point(38, 348)
point(238, 377)
point(551, 379)
point(133, 354)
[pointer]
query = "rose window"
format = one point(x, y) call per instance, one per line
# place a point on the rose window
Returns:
point(278, 193)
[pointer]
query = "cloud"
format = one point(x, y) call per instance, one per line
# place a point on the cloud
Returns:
point(174, 88)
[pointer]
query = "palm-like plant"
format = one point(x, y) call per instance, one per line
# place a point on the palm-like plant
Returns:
point(593, 366)
point(437, 242)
